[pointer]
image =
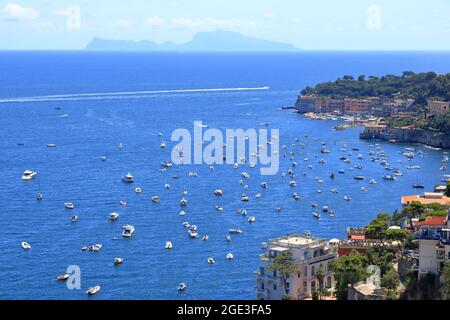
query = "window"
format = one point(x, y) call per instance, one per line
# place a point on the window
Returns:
point(287, 285)
point(313, 271)
point(262, 286)
point(329, 282)
point(305, 271)
point(274, 287)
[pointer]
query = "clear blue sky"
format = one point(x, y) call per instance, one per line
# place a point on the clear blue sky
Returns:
point(313, 24)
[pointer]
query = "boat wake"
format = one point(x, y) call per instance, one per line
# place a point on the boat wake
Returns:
point(121, 94)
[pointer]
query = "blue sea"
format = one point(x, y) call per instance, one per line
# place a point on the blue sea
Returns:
point(87, 103)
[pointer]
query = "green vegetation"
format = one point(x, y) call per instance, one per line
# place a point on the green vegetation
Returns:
point(417, 86)
point(348, 269)
point(447, 191)
point(285, 266)
point(437, 123)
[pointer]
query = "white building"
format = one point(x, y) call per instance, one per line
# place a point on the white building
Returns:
point(434, 244)
point(309, 253)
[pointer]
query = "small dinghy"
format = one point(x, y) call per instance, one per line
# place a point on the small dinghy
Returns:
point(74, 219)
point(211, 261)
point(205, 238)
point(193, 234)
point(25, 245)
point(138, 190)
point(118, 261)
point(128, 231)
point(183, 202)
point(69, 205)
point(156, 199)
point(181, 286)
point(235, 231)
point(123, 203)
point(128, 178)
point(113, 216)
point(251, 219)
point(168, 245)
point(39, 196)
point(218, 192)
point(63, 277)
point(93, 290)
point(230, 256)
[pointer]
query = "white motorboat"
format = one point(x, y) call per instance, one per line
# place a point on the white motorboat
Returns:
point(118, 261)
point(278, 209)
point(186, 224)
point(325, 208)
point(218, 192)
point(95, 248)
point(93, 290)
point(183, 202)
point(244, 212)
point(28, 175)
point(219, 208)
point(138, 190)
point(230, 256)
point(156, 199)
point(316, 215)
point(228, 238)
point(181, 286)
point(264, 245)
point(123, 203)
point(193, 233)
point(251, 219)
point(347, 198)
point(389, 177)
point(182, 213)
point(292, 183)
point(235, 231)
point(264, 185)
point(168, 245)
point(69, 205)
point(39, 196)
point(25, 245)
point(128, 178)
point(162, 145)
point(245, 175)
point(167, 186)
point(244, 198)
point(211, 261)
point(128, 231)
point(372, 181)
point(113, 216)
point(205, 238)
point(74, 219)
point(103, 158)
point(63, 277)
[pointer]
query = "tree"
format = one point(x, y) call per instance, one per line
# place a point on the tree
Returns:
point(320, 275)
point(390, 279)
point(348, 269)
point(445, 277)
point(396, 234)
point(447, 191)
point(376, 228)
point(285, 266)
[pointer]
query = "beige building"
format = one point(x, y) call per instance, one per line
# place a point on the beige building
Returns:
point(310, 254)
point(438, 107)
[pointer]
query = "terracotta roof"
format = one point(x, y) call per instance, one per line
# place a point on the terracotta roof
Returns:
point(406, 200)
point(433, 221)
point(357, 237)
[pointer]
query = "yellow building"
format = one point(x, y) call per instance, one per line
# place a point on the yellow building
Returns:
point(438, 107)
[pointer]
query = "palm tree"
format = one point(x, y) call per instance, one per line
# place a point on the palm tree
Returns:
point(320, 275)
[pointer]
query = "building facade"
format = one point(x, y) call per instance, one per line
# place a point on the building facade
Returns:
point(433, 237)
point(437, 107)
point(310, 254)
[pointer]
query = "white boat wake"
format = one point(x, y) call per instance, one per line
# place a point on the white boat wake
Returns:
point(123, 94)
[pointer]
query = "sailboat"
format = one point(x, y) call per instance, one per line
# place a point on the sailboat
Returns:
point(418, 185)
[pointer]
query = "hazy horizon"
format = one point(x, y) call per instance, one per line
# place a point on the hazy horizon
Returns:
point(348, 25)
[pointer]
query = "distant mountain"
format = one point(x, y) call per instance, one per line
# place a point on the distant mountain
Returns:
point(214, 41)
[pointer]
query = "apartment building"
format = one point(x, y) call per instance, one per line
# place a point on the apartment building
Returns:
point(309, 253)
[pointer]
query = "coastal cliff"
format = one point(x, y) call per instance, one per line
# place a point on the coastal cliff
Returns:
point(408, 135)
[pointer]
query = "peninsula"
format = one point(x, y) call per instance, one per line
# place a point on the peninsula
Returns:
point(412, 107)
